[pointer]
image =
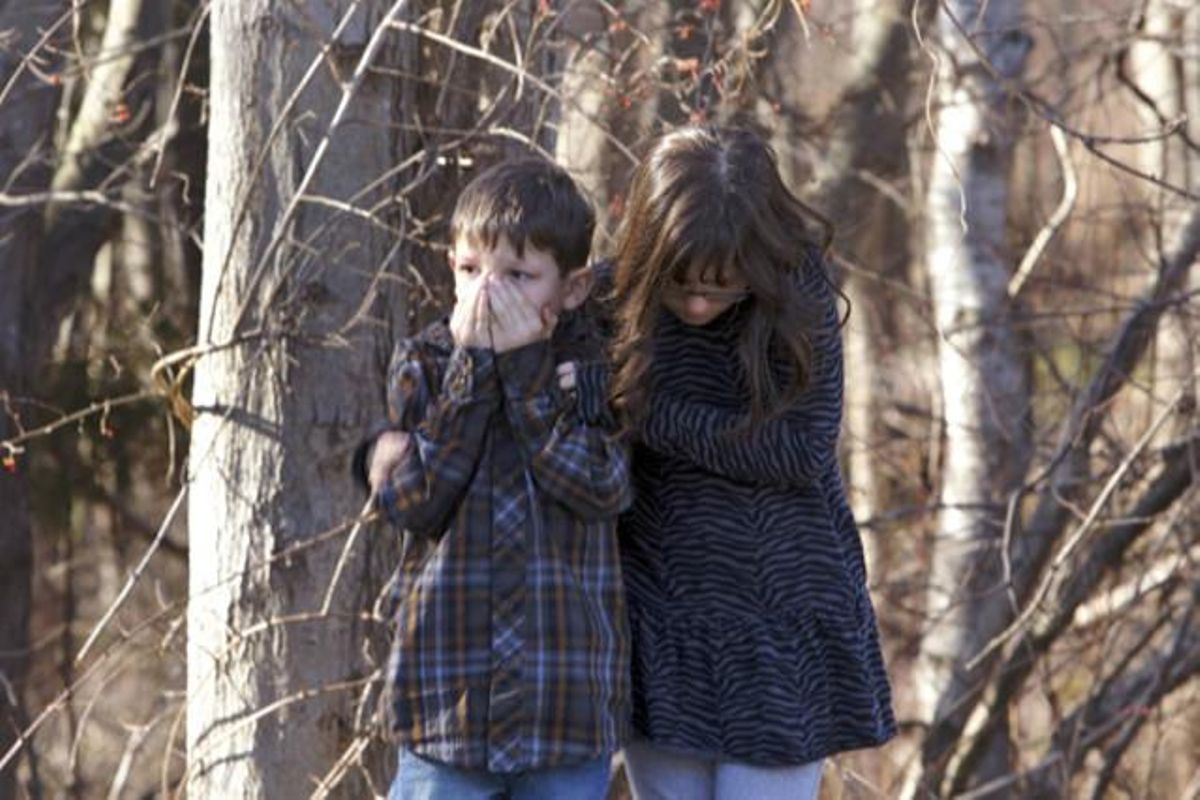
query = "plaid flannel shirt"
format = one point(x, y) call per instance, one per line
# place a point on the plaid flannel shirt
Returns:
point(511, 640)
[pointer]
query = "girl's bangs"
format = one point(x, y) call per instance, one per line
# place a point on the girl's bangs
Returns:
point(708, 247)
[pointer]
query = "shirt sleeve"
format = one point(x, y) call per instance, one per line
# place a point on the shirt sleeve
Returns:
point(446, 435)
point(575, 460)
point(794, 448)
point(592, 382)
point(407, 396)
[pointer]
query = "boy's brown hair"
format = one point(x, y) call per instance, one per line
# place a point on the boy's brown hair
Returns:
point(528, 199)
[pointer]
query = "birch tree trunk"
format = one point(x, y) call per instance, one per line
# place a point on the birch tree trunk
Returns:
point(284, 397)
point(26, 114)
point(1191, 87)
point(93, 123)
point(1157, 63)
point(984, 387)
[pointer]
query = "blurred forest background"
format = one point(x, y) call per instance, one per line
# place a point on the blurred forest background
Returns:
point(216, 216)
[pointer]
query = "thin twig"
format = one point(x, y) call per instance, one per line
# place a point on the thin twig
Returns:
point(171, 122)
point(13, 444)
point(1047, 112)
point(277, 128)
point(234, 726)
point(1084, 528)
point(136, 575)
point(483, 55)
point(337, 772)
point(345, 554)
point(1065, 204)
point(29, 56)
point(349, 90)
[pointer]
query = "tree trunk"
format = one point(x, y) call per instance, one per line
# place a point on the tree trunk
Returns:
point(1157, 63)
point(27, 113)
point(101, 103)
point(279, 411)
point(867, 140)
point(1191, 91)
point(610, 80)
point(94, 143)
point(581, 144)
point(984, 387)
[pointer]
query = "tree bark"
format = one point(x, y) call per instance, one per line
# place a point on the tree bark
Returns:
point(101, 103)
point(95, 142)
point(1072, 589)
point(581, 145)
point(984, 387)
point(26, 114)
point(283, 400)
point(1157, 61)
point(867, 141)
point(611, 80)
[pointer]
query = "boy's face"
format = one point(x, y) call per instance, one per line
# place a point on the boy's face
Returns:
point(535, 273)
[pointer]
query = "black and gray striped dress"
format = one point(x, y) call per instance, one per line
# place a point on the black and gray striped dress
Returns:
point(754, 639)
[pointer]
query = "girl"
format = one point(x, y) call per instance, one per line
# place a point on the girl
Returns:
point(755, 651)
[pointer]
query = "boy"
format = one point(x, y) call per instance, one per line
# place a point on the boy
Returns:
point(509, 673)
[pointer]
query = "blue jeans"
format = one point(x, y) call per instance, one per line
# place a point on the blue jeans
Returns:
point(419, 778)
point(656, 773)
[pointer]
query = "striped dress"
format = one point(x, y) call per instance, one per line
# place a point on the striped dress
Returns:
point(754, 639)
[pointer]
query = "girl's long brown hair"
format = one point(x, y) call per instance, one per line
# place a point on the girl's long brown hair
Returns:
point(713, 197)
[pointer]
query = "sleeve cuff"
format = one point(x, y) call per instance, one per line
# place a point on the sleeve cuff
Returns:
point(360, 461)
point(528, 370)
point(470, 375)
point(591, 393)
point(385, 501)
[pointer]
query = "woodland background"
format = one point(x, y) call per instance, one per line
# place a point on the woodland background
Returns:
point(216, 216)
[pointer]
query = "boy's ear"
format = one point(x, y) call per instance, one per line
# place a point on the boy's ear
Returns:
point(577, 287)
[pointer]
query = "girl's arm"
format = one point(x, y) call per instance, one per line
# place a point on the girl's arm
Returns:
point(572, 456)
point(794, 448)
point(446, 433)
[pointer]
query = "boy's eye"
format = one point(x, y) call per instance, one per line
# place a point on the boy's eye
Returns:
point(469, 269)
point(520, 275)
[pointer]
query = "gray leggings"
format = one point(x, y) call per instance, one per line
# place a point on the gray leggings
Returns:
point(659, 774)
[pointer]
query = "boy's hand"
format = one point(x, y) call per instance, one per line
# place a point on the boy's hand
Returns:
point(389, 450)
point(516, 321)
point(469, 320)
